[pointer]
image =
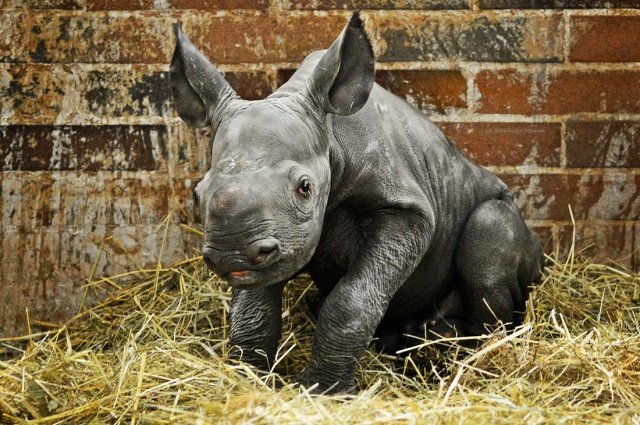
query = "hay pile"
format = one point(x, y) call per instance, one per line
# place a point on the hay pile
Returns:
point(154, 353)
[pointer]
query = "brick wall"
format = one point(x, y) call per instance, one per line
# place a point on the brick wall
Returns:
point(93, 158)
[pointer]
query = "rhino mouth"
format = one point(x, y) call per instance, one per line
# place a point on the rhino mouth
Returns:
point(247, 278)
point(245, 274)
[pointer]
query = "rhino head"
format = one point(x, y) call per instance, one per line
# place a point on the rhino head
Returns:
point(263, 200)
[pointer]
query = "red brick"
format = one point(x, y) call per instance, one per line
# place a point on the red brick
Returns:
point(28, 202)
point(139, 200)
point(251, 85)
point(30, 94)
point(53, 266)
point(544, 234)
point(552, 91)
point(33, 257)
point(603, 144)
point(431, 91)
point(283, 75)
point(592, 197)
point(49, 37)
point(48, 94)
point(42, 4)
point(601, 242)
point(605, 39)
point(484, 37)
point(188, 150)
point(109, 199)
point(147, 38)
point(497, 143)
point(380, 4)
point(263, 38)
point(558, 4)
point(82, 148)
point(209, 5)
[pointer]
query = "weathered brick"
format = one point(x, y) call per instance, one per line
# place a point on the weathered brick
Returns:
point(48, 94)
point(113, 200)
point(54, 264)
point(558, 4)
point(431, 91)
point(380, 4)
point(31, 94)
point(602, 242)
point(283, 75)
point(42, 4)
point(30, 201)
point(557, 91)
point(605, 39)
point(251, 85)
point(603, 144)
point(79, 200)
point(104, 38)
point(592, 197)
point(48, 37)
point(413, 36)
point(209, 5)
point(139, 200)
point(544, 234)
point(498, 143)
point(34, 259)
point(264, 37)
point(188, 149)
point(61, 94)
point(82, 148)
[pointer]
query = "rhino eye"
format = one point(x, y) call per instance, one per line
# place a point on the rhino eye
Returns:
point(304, 188)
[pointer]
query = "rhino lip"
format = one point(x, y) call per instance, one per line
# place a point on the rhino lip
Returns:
point(246, 276)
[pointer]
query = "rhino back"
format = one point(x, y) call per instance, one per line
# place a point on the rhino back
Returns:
point(390, 155)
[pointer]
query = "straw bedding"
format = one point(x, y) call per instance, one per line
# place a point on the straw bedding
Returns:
point(155, 352)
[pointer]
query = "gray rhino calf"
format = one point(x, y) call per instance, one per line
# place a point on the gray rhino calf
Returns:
point(335, 175)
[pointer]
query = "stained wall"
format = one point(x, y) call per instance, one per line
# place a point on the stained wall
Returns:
point(94, 160)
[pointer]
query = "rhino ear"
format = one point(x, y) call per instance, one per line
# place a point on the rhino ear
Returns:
point(197, 87)
point(343, 78)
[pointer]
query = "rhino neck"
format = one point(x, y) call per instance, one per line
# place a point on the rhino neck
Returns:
point(337, 161)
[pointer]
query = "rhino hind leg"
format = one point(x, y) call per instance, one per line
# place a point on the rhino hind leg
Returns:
point(497, 260)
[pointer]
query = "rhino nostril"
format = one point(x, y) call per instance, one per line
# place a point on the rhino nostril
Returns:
point(208, 262)
point(260, 250)
point(206, 255)
point(262, 255)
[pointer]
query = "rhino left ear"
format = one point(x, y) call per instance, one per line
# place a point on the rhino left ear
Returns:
point(343, 78)
point(198, 88)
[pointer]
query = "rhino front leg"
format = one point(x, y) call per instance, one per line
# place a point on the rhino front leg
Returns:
point(255, 325)
point(356, 305)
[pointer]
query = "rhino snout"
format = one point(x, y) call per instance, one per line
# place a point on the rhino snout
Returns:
point(256, 256)
point(233, 200)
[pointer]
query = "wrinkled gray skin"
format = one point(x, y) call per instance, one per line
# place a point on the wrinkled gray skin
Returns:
point(334, 175)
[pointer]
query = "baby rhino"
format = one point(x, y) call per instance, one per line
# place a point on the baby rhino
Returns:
point(334, 175)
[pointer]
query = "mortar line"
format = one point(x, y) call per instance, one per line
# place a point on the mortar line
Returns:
point(466, 117)
point(566, 36)
point(563, 144)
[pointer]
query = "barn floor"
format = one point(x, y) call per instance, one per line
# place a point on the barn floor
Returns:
point(154, 352)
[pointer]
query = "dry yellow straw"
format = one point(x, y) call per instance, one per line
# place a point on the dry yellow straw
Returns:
point(155, 352)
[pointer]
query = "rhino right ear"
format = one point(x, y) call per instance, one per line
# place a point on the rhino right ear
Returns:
point(197, 87)
point(343, 78)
